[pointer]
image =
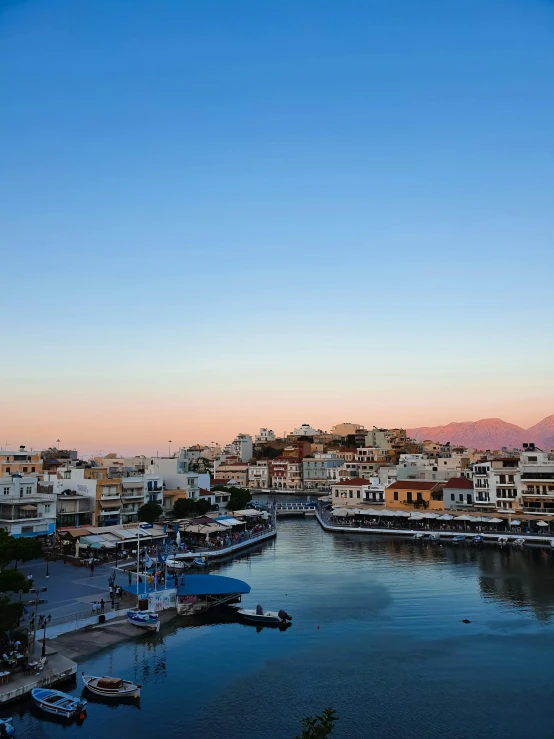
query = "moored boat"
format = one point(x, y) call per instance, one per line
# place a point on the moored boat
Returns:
point(420, 535)
point(111, 687)
point(502, 540)
point(176, 564)
point(259, 616)
point(148, 620)
point(459, 537)
point(8, 728)
point(519, 542)
point(57, 703)
point(477, 539)
point(200, 561)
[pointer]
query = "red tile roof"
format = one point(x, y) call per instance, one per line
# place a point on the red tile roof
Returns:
point(219, 481)
point(460, 483)
point(412, 485)
point(353, 482)
point(203, 491)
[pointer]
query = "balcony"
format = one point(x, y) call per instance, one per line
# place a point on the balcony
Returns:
point(111, 496)
point(132, 495)
point(549, 494)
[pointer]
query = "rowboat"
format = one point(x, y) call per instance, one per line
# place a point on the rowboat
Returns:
point(477, 539)
point(200, 562)
point(519, 542)
point(8, 728)
point(267, 617)
point(502, 540)
point(176, 564)
point(419, 535)
point(57, 703)
point(111, 687)
point(148, 620)
point(459, 537)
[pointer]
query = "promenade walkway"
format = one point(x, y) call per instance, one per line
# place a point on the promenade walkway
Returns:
point(491, 537)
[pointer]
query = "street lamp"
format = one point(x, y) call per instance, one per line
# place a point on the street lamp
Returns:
point(169, 443)
point(43, 623)
point(37, 592)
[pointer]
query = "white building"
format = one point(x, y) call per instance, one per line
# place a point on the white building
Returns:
point(240, 447)
point(537, 480)
point(177, 476)
point(306, 430)
point(258, 474)
point(23, 510)
point(265, 436)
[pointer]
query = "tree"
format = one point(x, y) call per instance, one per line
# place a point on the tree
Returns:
point(318, 727)
point(203, 506)
point(21, 549)
point(186, 507)
point(238, 499)
point(149, 512)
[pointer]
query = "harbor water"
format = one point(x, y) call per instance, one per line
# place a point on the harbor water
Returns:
point(378, 634)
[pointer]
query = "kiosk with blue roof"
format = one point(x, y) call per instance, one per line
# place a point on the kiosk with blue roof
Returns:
point(198, 593)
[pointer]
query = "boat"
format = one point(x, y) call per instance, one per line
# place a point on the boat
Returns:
point(57, 703)
point(200, 561)
point(459, 537)
point(502, 540)
point(7, 724)
point(477, 539)
point(419, 535)
point(435, 537)
point(266, 617)
point(176, 564)
point(519, 542)
point(148, 620)
point(111, 687)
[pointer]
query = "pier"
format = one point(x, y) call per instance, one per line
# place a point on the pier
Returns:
point(19, 685)
point(225, 551)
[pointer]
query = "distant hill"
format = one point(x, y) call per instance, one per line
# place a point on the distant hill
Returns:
point(488, 433)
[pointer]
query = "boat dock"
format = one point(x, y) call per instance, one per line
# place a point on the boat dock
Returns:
point(489, 537)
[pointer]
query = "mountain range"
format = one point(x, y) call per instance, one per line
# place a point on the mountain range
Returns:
point(488, 433)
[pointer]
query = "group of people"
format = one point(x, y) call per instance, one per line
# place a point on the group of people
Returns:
point(11, 652)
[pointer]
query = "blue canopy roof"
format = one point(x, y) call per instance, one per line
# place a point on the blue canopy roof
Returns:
point(211, 585)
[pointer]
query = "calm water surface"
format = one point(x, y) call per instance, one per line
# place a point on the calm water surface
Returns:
point(390, 654)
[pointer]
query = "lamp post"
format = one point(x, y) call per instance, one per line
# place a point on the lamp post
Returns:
point(169, 443)
point(37, 592)
point(45, 621)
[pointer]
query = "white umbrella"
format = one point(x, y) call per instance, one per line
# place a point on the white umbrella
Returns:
point(445, 517)
point(541, 523)
point(463, 518)
point(415, 517)
point(403, 513)
point(495, 520)
point(430, 515)
point(515, 522)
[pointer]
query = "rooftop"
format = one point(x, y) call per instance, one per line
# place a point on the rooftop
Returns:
point(413, 485)
point(353, 482)
point(460, 483)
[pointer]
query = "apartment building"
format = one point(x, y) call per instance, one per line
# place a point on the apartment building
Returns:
point(240, 447)
point(350, 492)
point(265, 436)
point(234, 471)
point(321, 470)
point(408, 494)
point(537, 480)
point(24, 511)
point(20, 462)
point(258, 474)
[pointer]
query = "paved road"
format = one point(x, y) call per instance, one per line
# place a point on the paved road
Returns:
point(71, 590)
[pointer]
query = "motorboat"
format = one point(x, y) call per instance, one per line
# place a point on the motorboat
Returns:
point(148, 620)
point(435, 537)
point(111, 687)
point(459, 537)
point(502, 540)
point(519, 542)
point(57, 703)
point(420, 535)
point(7, 724)
point(200, 561)
point(258, 616)
point(176, 564)
point(477, 539)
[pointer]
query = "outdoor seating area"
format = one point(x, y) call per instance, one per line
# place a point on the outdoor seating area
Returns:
point(447, 522)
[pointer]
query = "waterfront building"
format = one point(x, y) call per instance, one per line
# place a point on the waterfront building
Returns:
point(409, 494)
point(350, 492)
point(458, 494)
point(294, 473)
point(108, 502)
point(177, 475)
point(537, 480)
point(298, 449)
point(347, 454)
point(497, 481)
point(20, 462)
point(265, 436)
point(320, 470)
point(258, 474)
point(278, 472)
point(236, 471)
point(24, 511)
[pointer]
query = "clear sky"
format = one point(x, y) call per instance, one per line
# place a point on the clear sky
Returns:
point(216, 216)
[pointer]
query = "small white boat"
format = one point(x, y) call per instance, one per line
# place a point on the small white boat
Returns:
point(419, 535)
point(459, 537)
point(519, 542)
point(200, 561)
point(57, 703)
point(477, 539)
point(148, 620)
point(111, 687)
point(502, 540)
point(8, 728)
point(176, 564)
point(267, 617)
point(435, 537)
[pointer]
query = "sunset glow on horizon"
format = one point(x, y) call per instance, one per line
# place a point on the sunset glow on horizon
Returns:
point(219, 217)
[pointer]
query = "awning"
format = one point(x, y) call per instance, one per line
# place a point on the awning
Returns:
point(96, 542)
point(75, 533)
point(27, 507)
point(212, 585)
point(248, 512)
point(229, 521)
point(110, 503)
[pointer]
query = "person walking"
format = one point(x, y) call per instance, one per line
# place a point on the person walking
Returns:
point(91, 567)
point(102, 605)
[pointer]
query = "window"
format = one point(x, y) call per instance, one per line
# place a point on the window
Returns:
point(7, 470)
point(469, 498)
point(409, 497)
point(67, 475)
point(358, 494)
point(336, 493)
point(25, 469)
point(419, 497)
point(350, 493)
point(27, 529)
point(6, 491)
point(32, 469)
point(29, 490)
point(395, 496)
point(461, 497)
point(47, 508)
point(502, 479)
point(452, 496)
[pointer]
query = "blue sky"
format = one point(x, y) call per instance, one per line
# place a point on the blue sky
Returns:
point(346, 206)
